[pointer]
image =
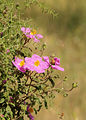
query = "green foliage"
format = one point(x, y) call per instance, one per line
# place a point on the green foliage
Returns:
point(44, 8)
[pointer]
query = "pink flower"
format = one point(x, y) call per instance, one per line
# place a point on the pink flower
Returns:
point(35, 63)
point(20, 64)
point(31, 34)
point(11, 100)
point(7, 51)
point(1, 115)
point(55, 62)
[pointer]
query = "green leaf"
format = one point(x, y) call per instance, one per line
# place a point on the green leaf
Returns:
point(8, 110)
point(2, 118)
point(45, 104)
point(2, 100)
point(35, 110)
point(12, 104)
point(40, 106)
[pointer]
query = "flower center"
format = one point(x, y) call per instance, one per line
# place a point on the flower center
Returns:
point(33, 32)
point(21, 63)
point(52, 61)
point(36, 63)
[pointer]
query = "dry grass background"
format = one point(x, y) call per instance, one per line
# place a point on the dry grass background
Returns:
point(66, 38)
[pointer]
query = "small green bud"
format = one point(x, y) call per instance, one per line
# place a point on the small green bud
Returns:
point(65, 94)
point(74, 85)
point(58, 90)
point(65, 79)
point(1, 34)
point(17, 5)
point(44, 45)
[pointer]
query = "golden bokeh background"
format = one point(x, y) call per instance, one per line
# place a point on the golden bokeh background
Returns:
point(66, 38)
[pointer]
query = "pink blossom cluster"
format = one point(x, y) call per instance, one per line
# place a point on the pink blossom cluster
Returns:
point(37, 63)
point(31, 33)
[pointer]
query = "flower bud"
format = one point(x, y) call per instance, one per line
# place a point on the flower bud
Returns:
point(7, 51)
point(17, 5)
point(1, 115)
point(1, 34)
point(4, 81)
point(65, 94)
point(74, 85)
point(11, 98)
point(44, 45)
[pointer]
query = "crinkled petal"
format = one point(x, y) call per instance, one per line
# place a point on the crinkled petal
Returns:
point(29, 63)
point(44, 65)
point(39, 70)
point(23, 29)
point(16, 64)
point(18, 67)
point(28, 35)
point(28, 30)
point(36, 57)
point(46, 59)
point(22, 69)
point(57, 67)
point(17, 60)
point(39, 36)
point(57, 61)
point(36, 40)
point(31, 36)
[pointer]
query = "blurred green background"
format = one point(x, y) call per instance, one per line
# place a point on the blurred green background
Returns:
point(66, 38)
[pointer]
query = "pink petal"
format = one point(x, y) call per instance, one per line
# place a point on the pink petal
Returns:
point(36, 40)
point(39, 36)
point(44, 65)
point(16, 64)
point(28, 30)
point(57, 61)
point(36, 57)
point(23, 29)
point(57, 67)
point(46, 59)
point(40, 71)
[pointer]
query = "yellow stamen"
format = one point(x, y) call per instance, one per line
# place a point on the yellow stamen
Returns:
point(22, 63)
point(52, 61)
point(33, 32)
point(36, 63)
point(31, 110)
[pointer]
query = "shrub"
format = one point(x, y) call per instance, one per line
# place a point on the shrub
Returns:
point(27, 79)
